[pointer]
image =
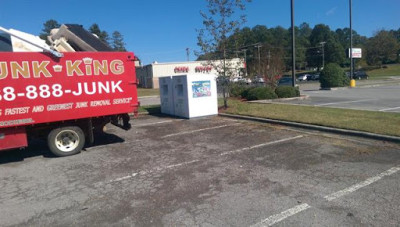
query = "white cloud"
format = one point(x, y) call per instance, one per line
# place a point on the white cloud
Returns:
point(331, 11)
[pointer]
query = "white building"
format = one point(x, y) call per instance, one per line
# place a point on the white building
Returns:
point(148, 75)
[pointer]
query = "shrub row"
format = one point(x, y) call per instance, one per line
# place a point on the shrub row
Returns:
point(287, 92)
point(260, 93)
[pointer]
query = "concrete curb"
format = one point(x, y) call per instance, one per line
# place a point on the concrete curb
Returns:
point(150, 96)
point(359, 86)
point(302, 97)
point(316, 127)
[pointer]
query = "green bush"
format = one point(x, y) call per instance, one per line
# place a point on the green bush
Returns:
point(259, 93)
point(287, 91)
point(333, 76)
point(245, 92)
point(237, 89)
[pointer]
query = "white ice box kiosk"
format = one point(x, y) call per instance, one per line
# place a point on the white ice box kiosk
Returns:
point(166, 95)
point(193, 95)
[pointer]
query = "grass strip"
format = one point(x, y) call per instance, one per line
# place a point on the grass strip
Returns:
point(368, 121)
point(152, 109)
point(389, 70)
point(147, 92)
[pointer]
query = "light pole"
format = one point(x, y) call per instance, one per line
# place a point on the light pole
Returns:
point(351, 40)
point(187, 53)
point(323, 53)
point(259, 58)
point(293, 45)
point(245, 61)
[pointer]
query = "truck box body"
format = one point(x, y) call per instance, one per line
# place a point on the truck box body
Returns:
point(38, 88)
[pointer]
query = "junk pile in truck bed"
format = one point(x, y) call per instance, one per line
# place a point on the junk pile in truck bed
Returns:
point(66, 38)
point(73, 37)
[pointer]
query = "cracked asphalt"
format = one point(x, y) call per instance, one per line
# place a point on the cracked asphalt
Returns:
point(209, 171)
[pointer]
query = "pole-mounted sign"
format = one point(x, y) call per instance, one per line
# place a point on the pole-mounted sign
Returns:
point(357, 52)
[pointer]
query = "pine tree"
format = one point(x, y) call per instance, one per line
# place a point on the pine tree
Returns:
point(117, 41)
point(103, 35)
point(47, 27)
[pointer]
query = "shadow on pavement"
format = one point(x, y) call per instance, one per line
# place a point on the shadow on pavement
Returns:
point(39, 147)
point(156, 112)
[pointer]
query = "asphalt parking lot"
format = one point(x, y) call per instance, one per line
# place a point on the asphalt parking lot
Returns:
point(374, 98)
point(372, 95)
point(210, 171)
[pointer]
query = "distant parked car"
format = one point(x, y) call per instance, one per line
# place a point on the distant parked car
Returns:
point(236, 79)
point(258, 80)
point(315, 76)
point(302, 77)
point(285, 81)
point(358, 75)
point(246, 80)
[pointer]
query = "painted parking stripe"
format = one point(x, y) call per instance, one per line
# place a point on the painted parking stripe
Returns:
point(260, 145)
point(302, 207)
point(387, 109)
point(199, 130)
point(283, 215)
point(158, 169)
point(360, 185)
point(123, 178)
point(195, 161)
point(344, 102)
point(153, 123)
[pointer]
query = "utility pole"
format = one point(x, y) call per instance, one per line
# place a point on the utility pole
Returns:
point(224, 81)
point(351, 41)
point(187, 53)
point(259, 58)
point(245, 61)
point(293, 46)
point(269, 58)
point(323, 53)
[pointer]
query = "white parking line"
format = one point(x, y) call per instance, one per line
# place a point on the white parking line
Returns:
point(158, 169)
point(198, 130)
point(367, 182)
point(297, 209)
point(196, 160)
point(344, 102)
point(260, 145)
point(283, 215)
point(394, 108)
point(123, 178)
point(155, 123)
point(181, 164)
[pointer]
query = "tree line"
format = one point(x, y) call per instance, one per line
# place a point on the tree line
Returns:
point(115, 41)
point(269, 49)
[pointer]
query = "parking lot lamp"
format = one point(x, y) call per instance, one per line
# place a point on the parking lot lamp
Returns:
point(323, 54)
point(293, 45)
point(351, 40)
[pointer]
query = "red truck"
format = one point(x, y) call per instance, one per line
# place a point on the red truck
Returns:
point(64, 99)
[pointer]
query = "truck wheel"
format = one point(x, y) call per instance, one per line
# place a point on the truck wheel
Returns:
point(66, 141)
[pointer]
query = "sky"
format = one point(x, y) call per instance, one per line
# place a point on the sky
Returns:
point(161, 30)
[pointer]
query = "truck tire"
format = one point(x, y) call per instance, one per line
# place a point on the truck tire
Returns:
point(66, 141)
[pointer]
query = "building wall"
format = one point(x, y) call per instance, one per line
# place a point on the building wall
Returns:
point(148, 75)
